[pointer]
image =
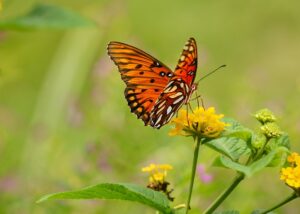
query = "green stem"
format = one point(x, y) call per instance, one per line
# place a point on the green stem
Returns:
point(288, 199)
point(225, 194)
point(195, 159)
point(261, 151)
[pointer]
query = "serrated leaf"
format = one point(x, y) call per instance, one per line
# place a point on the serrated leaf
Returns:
point(128, 192)
point(233, 124)
point(252, 168)
point(283, 140)
point(280, 157)
point(228, 163)
point(229, 146)
point(263, 162)
point(44, 16)
point(241, 134)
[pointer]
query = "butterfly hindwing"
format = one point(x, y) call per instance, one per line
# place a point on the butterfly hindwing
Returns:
point(145, 77)
point(179, 88)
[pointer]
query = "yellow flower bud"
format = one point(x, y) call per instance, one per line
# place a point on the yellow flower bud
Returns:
point(271, 130)
point(265, 116)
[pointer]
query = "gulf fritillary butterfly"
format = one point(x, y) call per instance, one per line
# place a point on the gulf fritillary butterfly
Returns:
point(155, 93)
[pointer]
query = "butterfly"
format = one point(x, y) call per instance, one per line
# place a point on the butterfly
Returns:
point(153, 91)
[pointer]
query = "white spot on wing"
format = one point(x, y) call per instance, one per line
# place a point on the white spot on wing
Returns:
point(186, 88)
point(170, 116)
point(161, 104)
point(181, 84)
point(170, 89)
point(159, 110)
point(158, 120)
point(175, 95)
point(169, 109)
point(178, 100)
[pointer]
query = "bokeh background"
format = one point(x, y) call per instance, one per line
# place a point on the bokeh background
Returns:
point(64, 122)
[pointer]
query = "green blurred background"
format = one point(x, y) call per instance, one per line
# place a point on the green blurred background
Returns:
point(65, 124)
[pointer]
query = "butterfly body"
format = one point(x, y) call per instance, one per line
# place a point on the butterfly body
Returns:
point(155, 93)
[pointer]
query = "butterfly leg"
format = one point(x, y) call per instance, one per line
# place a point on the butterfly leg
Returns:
point(187, 114)
point(197, 98)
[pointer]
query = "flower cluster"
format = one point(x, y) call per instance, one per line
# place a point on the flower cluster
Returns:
point(203, 123)
point(157, 178)
point(269, 126)
point(291, 175)
point(265, 116)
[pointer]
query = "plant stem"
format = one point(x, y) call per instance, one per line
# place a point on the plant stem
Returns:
point(261, 151)
point(224, 195)
point(195, 159)
point(288, 199)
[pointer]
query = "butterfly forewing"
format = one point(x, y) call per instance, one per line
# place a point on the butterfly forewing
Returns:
point(145, 77)
point(179, 88)
point(187, 64)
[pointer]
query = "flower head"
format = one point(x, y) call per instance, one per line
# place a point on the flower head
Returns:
point(265, 116)
point(201, 122)
point(271, 130)
point(157, 178)
point(291, 174)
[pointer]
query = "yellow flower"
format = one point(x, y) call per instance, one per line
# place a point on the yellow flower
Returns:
point(0, 5)
point(294, 158)
point(157, 172)
point(201, 122)
point(157, 178)
point(291, 175)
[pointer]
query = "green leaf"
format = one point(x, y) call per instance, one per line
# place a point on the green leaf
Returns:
point(233, 124)
point(241, 134)
point(231, 147)
point(228, 163)
point(235, 129)
point(129, 192)
point(263, 162)
point(283, 140)
point(282, 146)
point(252, 168)
point(280, 157)
point(46, 17)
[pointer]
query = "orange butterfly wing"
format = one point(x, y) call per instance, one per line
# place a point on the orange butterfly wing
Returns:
point(179, 89)
point(187, 64)
point(145, 77)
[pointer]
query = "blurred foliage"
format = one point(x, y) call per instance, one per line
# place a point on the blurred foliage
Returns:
point(45, 16)
point(64, 122)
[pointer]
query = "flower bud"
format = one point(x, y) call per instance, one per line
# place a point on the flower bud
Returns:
point(271, 130)
point(265, 116)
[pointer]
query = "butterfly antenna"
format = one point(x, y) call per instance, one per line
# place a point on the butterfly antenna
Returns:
point(210, 73)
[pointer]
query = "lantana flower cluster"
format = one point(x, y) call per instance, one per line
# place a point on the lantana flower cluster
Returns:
point(291, 174)
point(203, 123)
point(157, 178)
